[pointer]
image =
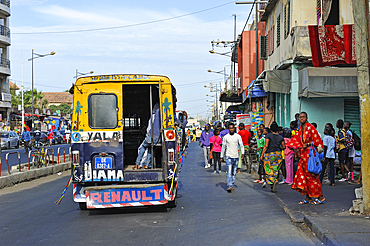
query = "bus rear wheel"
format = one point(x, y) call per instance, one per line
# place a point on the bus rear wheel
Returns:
point(172, 204)
point(82, 205)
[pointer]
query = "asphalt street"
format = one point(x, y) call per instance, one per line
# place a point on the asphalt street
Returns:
point(13, 158)
point(205, 215)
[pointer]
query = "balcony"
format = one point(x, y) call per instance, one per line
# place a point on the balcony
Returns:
point(5, 66)
point(4, 35)
point(5, 8)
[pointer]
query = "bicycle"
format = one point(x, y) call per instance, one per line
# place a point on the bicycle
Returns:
point(40, 157)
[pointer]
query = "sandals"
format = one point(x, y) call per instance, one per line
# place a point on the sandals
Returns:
point(136, 167)
point(317, 201)
point(304, 201)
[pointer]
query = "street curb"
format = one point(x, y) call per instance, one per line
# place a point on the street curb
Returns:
point(15, 178)
point(321, 233)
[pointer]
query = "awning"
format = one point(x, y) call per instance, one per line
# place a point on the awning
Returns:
point(328, 82)
point(255, 89)
point(224, 97)
point(235, 108)
point(277, 81)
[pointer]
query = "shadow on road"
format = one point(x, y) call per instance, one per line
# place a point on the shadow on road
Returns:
point(131, 210)
point(223, 185)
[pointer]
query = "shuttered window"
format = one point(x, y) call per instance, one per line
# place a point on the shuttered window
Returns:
point(352, 113)
point(278, 31)
point(263, 47)
point(287, 20)
point(270, 37)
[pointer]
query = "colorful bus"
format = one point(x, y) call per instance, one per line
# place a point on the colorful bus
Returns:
point(110, 122)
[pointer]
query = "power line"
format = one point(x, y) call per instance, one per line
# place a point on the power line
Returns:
point(125, 26)
point(52, 86)
point(192, 100)
point(250, 12)
point(200, 82)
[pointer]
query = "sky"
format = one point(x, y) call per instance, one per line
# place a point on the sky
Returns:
point(177, 48)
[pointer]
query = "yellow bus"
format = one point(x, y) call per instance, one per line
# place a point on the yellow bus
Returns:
point(118, 160)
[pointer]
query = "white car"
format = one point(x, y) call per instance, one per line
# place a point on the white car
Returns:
point(9, 139)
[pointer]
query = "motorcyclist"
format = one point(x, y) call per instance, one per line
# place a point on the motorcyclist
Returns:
point(37, 136)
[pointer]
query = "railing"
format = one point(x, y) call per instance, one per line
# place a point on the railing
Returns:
point(5, 2)
point(46, 155)
point(29, 158)
point(19, 159)
point(5, 63)
point(64, 153)
point(5, 31)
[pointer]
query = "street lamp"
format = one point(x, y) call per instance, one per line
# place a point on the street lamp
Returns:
point(218, 53)
point(81, 74)
point(35, 56)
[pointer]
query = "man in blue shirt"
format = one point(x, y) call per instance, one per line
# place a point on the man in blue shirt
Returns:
point(26, 137)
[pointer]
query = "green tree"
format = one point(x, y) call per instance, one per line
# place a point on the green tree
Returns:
point(63, 107)
point(27, 97)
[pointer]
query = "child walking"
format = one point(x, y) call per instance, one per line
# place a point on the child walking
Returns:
point(329, 155)
point(216, 147)
point(260, 145)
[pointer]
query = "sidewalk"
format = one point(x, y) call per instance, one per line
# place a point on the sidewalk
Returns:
point(331, 222)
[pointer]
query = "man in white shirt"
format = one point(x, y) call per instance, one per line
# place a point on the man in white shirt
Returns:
point(232, 143)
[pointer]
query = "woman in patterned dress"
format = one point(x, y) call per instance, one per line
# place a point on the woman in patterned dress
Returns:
point(272, 155)
point(305, 182)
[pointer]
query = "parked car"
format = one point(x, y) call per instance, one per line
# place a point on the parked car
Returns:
point(63, 133)
point(9, 139)
point(58, 138)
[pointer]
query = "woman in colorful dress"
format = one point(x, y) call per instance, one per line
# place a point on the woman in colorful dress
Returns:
point(305, 182)
point(272, 155)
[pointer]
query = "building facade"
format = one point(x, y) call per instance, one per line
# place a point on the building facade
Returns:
point(5, 42)
point(323, 85)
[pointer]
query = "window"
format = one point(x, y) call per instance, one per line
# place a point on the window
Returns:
point(263, 47)
point(287, 20)
point(103, 111)
point(278, 31)
point(270, 38)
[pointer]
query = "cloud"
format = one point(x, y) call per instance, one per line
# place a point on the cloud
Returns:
point(177, 48)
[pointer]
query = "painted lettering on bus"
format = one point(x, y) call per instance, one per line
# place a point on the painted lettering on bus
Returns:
point(106, 175)
point(124, 196)
point(100, 136)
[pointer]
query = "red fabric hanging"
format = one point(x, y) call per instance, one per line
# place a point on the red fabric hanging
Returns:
point(332, 45)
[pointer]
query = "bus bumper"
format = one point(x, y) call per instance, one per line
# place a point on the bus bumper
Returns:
point(114, 196)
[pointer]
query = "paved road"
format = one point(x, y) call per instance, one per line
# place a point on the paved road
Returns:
point(13, 159)
point(206, 215)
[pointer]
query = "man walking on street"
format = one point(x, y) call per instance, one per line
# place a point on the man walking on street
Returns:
point(246, 135)
point(205, 144)
point(232, 142)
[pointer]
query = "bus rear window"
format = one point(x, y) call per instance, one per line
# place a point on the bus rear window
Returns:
point(103, 111)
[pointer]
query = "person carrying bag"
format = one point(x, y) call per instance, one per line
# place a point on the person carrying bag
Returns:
point(314, 163)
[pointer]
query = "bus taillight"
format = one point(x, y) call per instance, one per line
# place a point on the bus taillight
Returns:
point(76, 157)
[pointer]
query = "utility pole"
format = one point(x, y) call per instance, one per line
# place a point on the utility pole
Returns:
point(255, 2)
point(234, 85)
point(256, 24)
point(360, 10)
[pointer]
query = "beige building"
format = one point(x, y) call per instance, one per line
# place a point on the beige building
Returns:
point(326, 92)
point(5, 99)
